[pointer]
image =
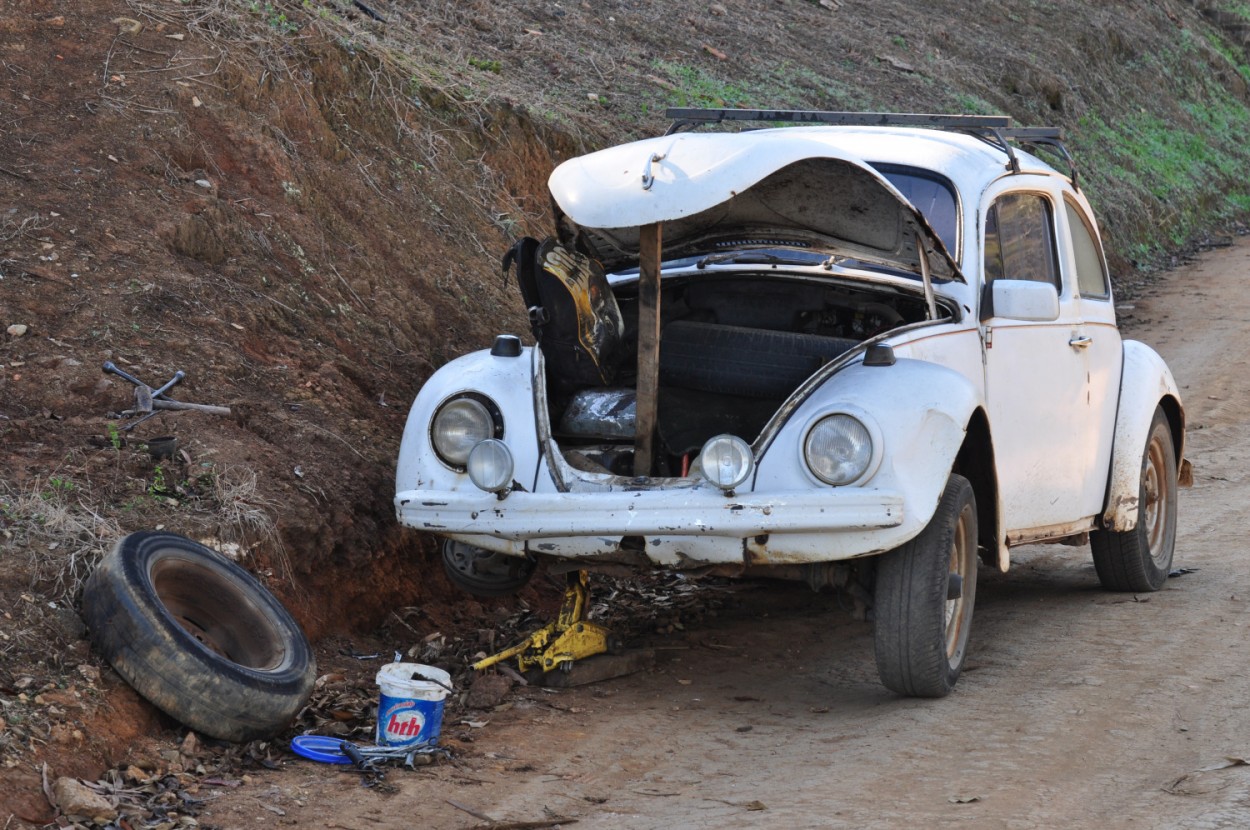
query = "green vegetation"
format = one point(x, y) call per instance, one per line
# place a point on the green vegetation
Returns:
point(1157, 181)
point(1241, 10)
point(783, 84)
point(1232, 54)
point(486, 65)
point(275, 18)
point(60, 485)
point(693, 86)
point(969, 104)
point(159, 486)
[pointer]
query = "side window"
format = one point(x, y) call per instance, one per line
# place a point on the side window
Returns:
point(1020, 239)
point(1091, 275)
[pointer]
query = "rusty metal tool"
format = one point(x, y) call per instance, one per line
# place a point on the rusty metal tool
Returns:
point(149, 401)
point(559, 644)
point(145, 402)
point(111, 368)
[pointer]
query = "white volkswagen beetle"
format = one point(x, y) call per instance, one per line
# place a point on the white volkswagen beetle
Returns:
point(862, 354)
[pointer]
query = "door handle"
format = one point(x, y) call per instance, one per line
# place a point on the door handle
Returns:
point(1081, 341)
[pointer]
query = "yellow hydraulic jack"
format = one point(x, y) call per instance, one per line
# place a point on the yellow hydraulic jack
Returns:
point(559, 644)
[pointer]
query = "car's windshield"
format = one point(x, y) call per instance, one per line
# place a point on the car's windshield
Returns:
point(933, 196)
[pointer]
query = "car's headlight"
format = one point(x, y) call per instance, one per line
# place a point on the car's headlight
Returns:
point(838, 449)
point(726, 461)
point(459, 425)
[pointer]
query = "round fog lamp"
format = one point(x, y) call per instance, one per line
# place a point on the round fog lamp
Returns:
point(490, 466)
point(726, 461)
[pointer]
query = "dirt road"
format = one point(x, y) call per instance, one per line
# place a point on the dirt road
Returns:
point(1079, 708)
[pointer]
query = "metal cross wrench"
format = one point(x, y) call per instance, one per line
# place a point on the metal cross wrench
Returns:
point(149, 401)
point(111, 368)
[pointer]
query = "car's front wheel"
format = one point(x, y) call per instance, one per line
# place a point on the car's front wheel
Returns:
point(1139, 559)
point(924, 596)
point(484, 573)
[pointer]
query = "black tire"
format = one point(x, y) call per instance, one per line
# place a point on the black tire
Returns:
point(1139, 560)
point(734, 360)
point(921, 634)
point(484, 573)
point(198, 636)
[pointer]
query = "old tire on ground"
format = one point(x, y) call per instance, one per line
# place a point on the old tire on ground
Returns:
point(198, 636)
point(923, 599)
point(484, 573)
point(1139, 559)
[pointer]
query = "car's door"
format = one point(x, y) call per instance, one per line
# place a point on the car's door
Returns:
point(1036, 360)
point(1101, 342)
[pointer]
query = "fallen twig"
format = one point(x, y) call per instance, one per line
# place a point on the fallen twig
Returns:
point(528, 825)
point(149, 51)
point(15, 174)
point(42, 275)
point(139, 107)
point(468, 810)
point(47, 789)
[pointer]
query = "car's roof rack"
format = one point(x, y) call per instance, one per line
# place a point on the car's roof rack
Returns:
point(994, 129)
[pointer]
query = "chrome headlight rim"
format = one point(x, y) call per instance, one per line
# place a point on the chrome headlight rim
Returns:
point(742, 448)
point(491, 466)
point(494, 429)
point(874, 436)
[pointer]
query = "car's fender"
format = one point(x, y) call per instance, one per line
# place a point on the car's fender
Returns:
point(1145, 384)
point(508, 381)
point(918, 411)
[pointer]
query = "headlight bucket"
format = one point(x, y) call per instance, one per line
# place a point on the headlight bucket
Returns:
point(838, 449)
point(726, 461)
point(460, 424)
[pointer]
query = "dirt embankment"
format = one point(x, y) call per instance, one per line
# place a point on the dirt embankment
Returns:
point(302, 206)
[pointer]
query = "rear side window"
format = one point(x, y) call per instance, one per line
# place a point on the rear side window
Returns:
point(1091, 273)
point(1020, 239)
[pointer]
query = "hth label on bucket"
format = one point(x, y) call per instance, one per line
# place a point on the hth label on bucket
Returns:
point(402, 723)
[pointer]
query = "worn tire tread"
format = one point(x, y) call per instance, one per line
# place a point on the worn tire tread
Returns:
point(130, 627)
point(909, 626)
point(1123, 559)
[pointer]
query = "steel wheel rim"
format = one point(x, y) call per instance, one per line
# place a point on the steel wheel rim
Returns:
point(963, 551)
point(207, 606)
point(1155, 496)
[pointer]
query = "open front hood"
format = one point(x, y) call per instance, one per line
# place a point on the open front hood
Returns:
point(723, 191)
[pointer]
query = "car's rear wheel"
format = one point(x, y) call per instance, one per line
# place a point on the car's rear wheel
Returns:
point(924, 597)
point(1139, 559)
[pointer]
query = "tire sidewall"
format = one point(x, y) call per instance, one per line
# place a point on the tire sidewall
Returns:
point(132, 628)
point(911, 587)
point(1156, 573)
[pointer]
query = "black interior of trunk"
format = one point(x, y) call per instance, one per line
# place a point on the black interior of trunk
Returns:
point(733, 348)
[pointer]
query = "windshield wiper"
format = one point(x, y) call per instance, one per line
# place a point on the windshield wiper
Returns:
point(845, 263)
point(755, 258)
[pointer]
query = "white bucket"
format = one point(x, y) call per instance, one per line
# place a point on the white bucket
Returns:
point(410, 704)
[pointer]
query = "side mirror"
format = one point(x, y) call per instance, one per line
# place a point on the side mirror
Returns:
point(1021, 300)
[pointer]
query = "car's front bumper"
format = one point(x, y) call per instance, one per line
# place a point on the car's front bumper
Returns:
point(675, 526)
